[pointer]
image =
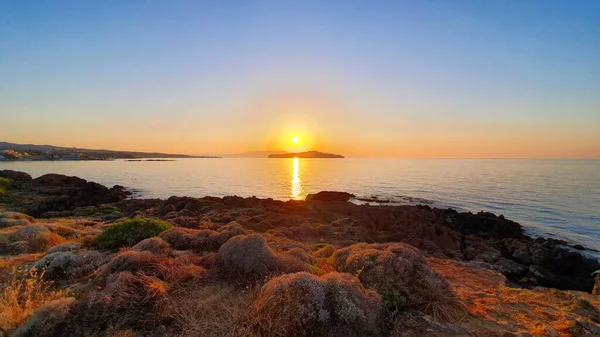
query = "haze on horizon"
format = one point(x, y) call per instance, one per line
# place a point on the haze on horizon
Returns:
point(376, 79)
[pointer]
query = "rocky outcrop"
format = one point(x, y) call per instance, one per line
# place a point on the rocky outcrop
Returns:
point(329, 196)
point(485, 239)
point(15, 175)
point(57, 194)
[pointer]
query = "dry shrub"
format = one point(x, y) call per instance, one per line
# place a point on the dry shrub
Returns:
point(301, 255)
point(154, 245)
point(217, 310)
point(134, 261)
point(182, 238)
point(4, 243)
point(127, 302)
point(64, 231)
point(22, 296)
point(403, 278)
point(202, 240)
point(173, 270)
point(65, 247)
point(303, 304)
point(26, 232)
point(46, 319)
point(9, 219)
point(325, 251)
point(247, 257)
point(45, 240)
point(59, 264)
point(18, 261)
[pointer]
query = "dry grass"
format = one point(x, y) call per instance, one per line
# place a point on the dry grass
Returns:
point(539, 312)
point(45, 240)
point(214, 310)
point(22, 296)
point(18, 261)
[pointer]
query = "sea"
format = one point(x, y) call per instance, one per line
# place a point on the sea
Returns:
point(549, 197)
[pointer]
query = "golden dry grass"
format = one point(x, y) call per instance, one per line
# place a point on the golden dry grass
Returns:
point(23, 295)
point(539, 312)
point(8, 262)
point(218, 310)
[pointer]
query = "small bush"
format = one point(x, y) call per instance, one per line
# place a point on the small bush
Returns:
point(9, 219)
point(44, 240)
point(4, 182)
point(403, 277)
point(130, 232)
point(59, 264)
point(154, 245)
point(303, 304)
point(44, 321)
point(247, 256)
point(27, 232)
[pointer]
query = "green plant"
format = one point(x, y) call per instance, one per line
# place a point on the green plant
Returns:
point(4, 182)
point(101, 210)
point(130, 232)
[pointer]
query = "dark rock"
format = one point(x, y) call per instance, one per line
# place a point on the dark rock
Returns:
point(329, 196)
point(15, 175)
point(59, 179)
point(483, 224)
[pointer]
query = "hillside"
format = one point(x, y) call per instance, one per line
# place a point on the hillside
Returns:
point(49, 152)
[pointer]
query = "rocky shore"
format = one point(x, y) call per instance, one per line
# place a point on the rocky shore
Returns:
point(379, 270)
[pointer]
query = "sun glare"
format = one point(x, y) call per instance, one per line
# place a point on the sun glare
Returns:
point(295, 140)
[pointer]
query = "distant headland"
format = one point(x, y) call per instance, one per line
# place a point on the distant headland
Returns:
point(11, 151)
point(309, 154)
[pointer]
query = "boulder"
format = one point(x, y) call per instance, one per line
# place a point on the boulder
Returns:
point(330, 196)
point(15, 175)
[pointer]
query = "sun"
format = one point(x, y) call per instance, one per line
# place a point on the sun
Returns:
point(295, 140)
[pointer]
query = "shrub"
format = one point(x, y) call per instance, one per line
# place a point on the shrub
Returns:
point(154, 245)
point(9, 219)
point(45, 320)
point(303, 304)
point(26, 232)
point(44, 240)
point(4, 182)
point(247, 256)
point(24, 295)
point(325, 251)
point(59, 264)
point(65, 247)
point(180, 238)
point(129, 232)
point(402, 276)
point(128, 302)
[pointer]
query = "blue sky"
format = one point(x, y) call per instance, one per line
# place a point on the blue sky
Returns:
point(408, 78)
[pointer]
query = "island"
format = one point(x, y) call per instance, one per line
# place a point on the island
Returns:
point(309, 154)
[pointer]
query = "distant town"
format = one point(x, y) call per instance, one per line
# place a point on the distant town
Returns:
point(73, 154)
point(30, 152)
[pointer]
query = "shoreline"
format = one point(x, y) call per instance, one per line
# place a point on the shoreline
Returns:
point(459, 246)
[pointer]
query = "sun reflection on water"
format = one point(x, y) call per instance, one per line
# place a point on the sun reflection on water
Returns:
point(296, 183)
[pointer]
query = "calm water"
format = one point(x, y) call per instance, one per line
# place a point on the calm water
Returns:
point(549, 197)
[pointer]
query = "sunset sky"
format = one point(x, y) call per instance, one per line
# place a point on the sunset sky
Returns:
point(359, 78)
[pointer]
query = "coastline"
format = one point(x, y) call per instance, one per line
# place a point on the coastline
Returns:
point(460, 246)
